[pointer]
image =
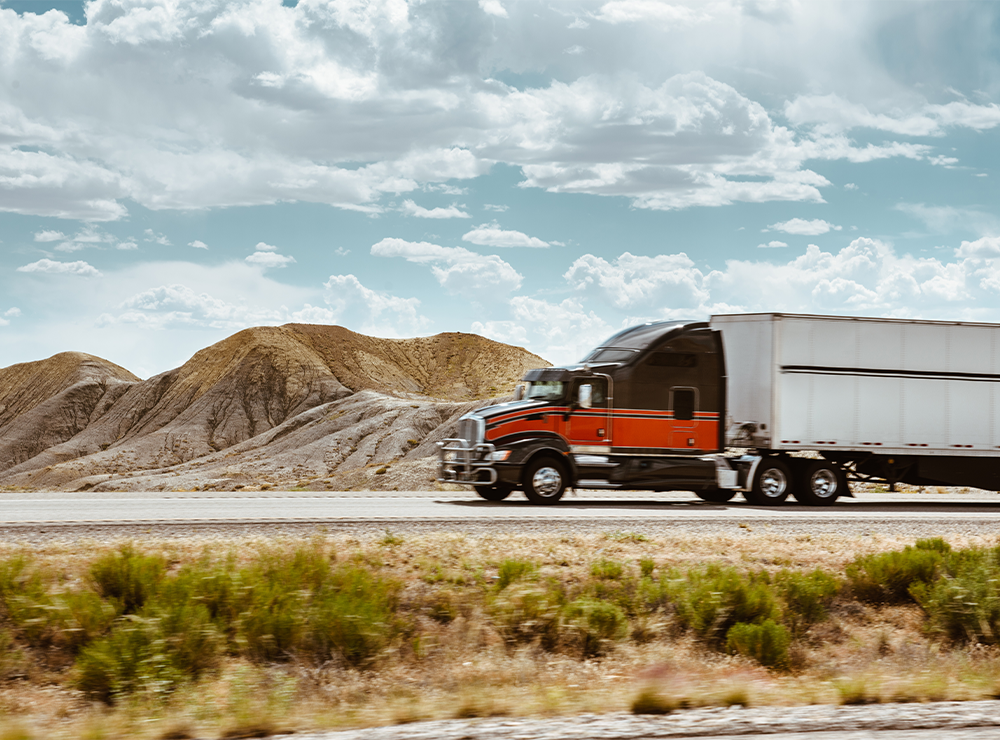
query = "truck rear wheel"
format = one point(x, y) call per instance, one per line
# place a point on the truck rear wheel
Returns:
point(771, 485)
point(715, 495)
point(545, 481)
point(820, 484)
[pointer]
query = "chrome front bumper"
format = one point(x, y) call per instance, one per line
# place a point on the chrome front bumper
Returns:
point(462, 462)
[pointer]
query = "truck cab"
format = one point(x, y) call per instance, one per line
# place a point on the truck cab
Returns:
point(643, 410)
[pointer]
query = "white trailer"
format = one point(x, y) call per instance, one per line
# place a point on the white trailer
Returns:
point(892, 399)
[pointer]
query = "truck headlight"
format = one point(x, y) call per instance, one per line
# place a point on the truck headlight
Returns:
point(499, 455)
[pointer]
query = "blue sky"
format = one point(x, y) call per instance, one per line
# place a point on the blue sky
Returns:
point(542, 173)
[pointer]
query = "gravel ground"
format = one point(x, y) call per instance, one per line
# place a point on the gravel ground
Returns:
point(830, 722)
point(915, 529)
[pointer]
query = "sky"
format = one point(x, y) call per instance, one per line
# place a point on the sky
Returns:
point(542, 173)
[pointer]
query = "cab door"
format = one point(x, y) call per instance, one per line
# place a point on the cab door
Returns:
point(683, 407)
point(589, 426)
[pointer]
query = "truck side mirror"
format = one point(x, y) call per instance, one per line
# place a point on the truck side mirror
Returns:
point(519, 392)
point(586, 396)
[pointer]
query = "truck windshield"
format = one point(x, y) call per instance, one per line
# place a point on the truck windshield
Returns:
point(546, 390)
point(610, 355)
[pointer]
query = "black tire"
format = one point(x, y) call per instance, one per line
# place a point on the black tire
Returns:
point(821, 483)
point(545, 481)
point(771, 484)
point(715, 495)
point(496, 492)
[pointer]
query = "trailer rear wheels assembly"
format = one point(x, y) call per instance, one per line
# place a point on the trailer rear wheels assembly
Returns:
point(715, 495)
point(771, 485)
point(821, 483)
point(496, 492)
point(545, 481)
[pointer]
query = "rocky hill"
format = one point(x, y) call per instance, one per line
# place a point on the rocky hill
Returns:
point(270, 406)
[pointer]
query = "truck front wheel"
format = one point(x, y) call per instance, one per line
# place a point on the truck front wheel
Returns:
point(821, 483)
point(772, 484)
point(496, 492)
point(544, 481)
point(715, 495)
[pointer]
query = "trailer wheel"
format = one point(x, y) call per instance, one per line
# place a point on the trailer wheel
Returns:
point(771, 485)
point(496, 492)
point(545, 481)
point(715, 495)
point(821, 483)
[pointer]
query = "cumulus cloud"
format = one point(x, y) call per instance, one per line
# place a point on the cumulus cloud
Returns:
point(198, 244)
point(373, 312)
point(493, 7)
point(53, 267)
point(269, 260)
point(49, 236)
point(10, 313)
point(151, 236)
point(127, 246)
point(412, 209)
point(458, 270)
point(803, 227)
point(772, 245)
point(632, 280)
point(988, 247)
point(491, 235)
point(832, 113)
point(649, 11)
point(566, 329)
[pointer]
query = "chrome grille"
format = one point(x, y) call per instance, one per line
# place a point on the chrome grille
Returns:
point(471, 428)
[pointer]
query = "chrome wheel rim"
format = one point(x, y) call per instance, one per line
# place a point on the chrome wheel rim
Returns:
point(823, 483)
point(773, 483)
point(546, 481)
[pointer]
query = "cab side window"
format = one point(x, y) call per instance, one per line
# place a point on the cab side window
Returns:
point(598, 393)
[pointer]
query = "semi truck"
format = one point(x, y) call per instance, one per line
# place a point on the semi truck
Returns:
point(765, 405)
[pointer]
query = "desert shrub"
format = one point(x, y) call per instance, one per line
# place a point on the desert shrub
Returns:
point(646, 567)
point(153, 652)
point(127, 577)
point(593, 625)
point(807, 596)
point(67, 620)
point(352, 617)
point(886, 577)
point(512, 570)
point(964, 604)
point(711, 599)
point(528, 612)
point(936, 544)
point(650, 701)
point(607, 569)
point(767, 642)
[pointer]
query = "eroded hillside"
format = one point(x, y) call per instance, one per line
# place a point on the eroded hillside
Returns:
point(268, 406)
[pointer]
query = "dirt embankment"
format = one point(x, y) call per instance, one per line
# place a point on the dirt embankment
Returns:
point(289, 405)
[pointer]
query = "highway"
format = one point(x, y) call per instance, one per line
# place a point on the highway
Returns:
point(459, 506)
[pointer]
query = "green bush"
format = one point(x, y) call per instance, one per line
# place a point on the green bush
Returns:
point(526, 613)
point(646, 567)
point(127, 577)
point(767, 642)
point(607, 569)
point(937, 544)
point(711, 599)
point(594, 625)
point(807, 596)
point(514, 570)
point(964, 604)
point(885, 578)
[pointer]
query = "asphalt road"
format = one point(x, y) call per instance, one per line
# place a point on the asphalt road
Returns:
point(595, 506)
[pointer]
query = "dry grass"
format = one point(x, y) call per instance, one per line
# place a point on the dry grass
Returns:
point(454, 660)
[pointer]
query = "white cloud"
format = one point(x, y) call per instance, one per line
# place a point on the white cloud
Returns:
point(269, 260)
point(372, 312)
point(491, 235)
point(493, 7)
point(772, 245)
point(53, 267)
point(198, 244)
point(574, 50)
point(49, 236)
point(457, 269)
point(802, 227)
point(412, 209)
point(565, 331)
point(633, 280)
point(151, 236)
point(850, 186)
point(265, 247)
point(988, 247)
point(127, 246)
point(946, 219)
point(832, 113)
point(649, 11)
point(341, 252)
point(12, 312)
point(499, 208)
